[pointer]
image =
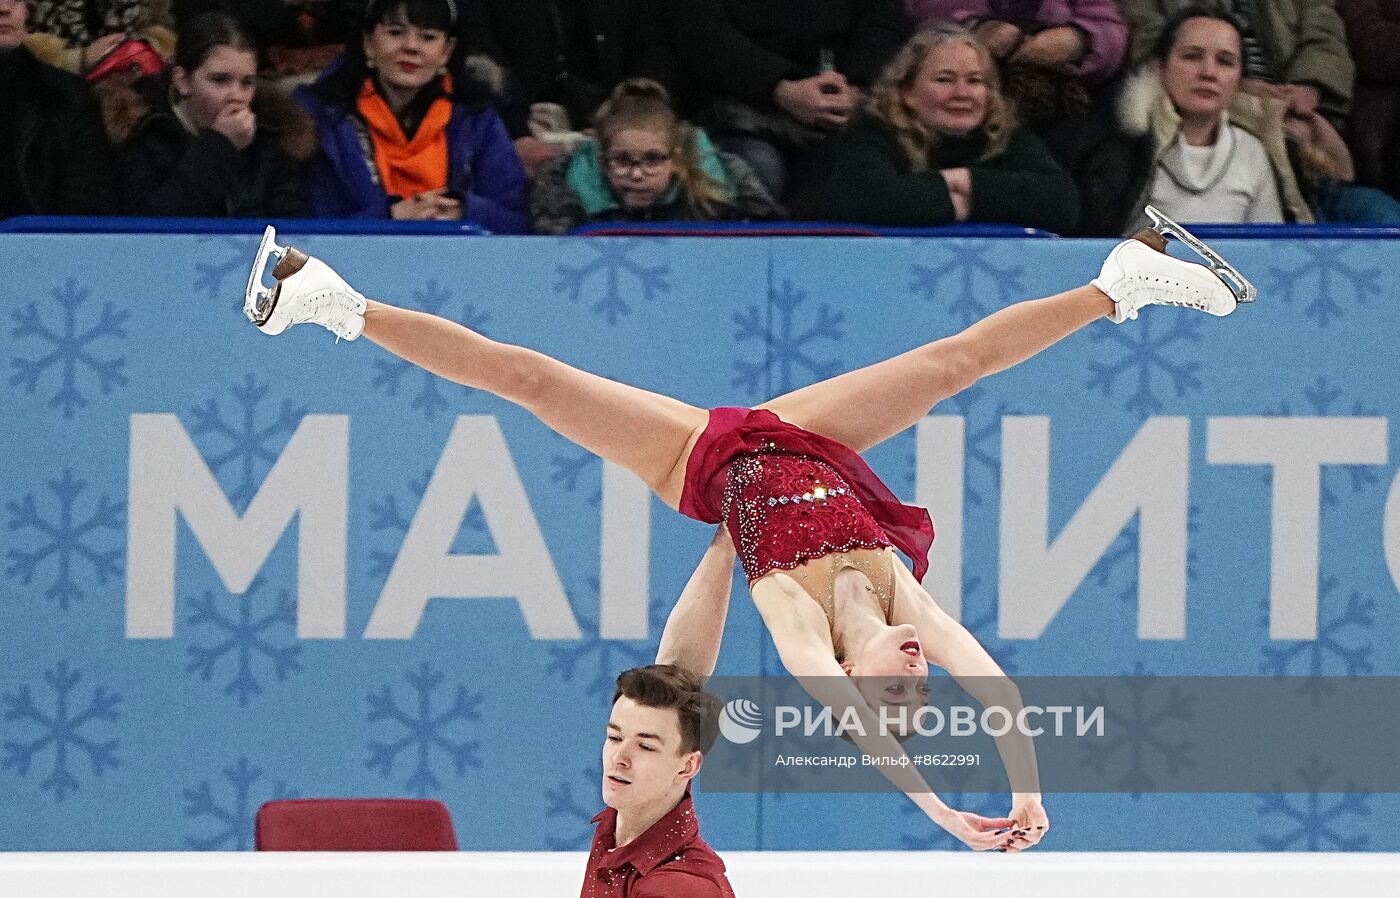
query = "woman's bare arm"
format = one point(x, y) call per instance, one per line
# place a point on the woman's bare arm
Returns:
point(949, 645)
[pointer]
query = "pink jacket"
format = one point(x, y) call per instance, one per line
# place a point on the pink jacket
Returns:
point(1099, 19)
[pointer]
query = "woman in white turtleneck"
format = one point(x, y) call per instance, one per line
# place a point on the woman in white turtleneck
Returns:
point(1187, 140)
point(1214, 170)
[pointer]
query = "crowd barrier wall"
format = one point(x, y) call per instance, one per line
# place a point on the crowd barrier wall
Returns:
point(235, 568)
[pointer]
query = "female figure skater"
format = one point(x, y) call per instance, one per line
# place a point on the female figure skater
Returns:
point(810, 520)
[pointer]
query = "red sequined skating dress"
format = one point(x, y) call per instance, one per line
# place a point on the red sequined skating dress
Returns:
point(799, 502)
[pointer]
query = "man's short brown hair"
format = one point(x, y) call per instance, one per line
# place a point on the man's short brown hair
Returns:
point(669, 686)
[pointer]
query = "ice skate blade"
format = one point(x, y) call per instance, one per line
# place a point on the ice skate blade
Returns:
point(258, 299)
point(1239, 285)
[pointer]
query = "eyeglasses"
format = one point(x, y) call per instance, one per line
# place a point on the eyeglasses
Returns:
point(649, 163)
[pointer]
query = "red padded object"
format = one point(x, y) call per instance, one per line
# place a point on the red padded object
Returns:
point(354, 824)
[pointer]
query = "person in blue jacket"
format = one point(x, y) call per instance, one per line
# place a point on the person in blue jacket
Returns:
point(404, 135)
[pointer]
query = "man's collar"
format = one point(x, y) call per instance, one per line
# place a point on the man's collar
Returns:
point(658, 844)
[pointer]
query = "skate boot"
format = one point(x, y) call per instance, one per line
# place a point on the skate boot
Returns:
point(306, 290)
point(1138, 272)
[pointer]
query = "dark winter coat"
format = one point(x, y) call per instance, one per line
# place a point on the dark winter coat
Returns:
point(58, 158)
point(741, 49)
point(165, 170)
point(864, 175)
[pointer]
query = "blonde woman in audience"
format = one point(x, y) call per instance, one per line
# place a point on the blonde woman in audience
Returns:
point(938, 143)
point(645, 164)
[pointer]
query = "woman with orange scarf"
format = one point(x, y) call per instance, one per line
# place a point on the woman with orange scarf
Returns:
point(400, 138)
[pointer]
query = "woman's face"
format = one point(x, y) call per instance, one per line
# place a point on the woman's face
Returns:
point(13, 16)
point(225, 80)
point(949, 95)
point(405, 56)
point(890, 668)
point(1202, 72)
point(639, 165)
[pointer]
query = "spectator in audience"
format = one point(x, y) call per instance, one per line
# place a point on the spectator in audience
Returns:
point(296, 38)
point(401, 138)
point(54, 157)
point(558, 60)
point(76, 35)
point(1050, 52)
point(1373, 29)
point(1294, 50)
point(645, 165)
point(938, 144)
point(1191, 142)
point(769, 79)
point(203, 140)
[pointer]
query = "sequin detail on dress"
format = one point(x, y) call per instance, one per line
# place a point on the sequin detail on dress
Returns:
point(796, 513)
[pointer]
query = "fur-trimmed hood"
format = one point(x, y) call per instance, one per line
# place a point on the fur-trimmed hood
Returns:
point(1143, 109)
point(128, 108)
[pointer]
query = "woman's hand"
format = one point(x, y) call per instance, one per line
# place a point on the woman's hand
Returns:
point(431, 205)
point(975, 831)
point(959, 181)
point(238, 124)
point(1051, 48)
point(1029, 823)
point(999, 37)
point(99, 48)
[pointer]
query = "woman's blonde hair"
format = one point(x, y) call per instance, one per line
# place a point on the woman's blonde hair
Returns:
point(886, 99)
point(643, 104)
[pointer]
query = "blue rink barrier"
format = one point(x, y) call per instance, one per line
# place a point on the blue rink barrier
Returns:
point(238, 568)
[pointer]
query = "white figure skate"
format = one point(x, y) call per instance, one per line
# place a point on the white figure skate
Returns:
point(1138, 272)
point(306, 290)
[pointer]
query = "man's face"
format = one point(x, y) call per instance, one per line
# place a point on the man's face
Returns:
point(642, 756)
point(14, 14)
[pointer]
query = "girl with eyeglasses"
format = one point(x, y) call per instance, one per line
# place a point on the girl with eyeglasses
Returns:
point(404, 135)
point(646, 164)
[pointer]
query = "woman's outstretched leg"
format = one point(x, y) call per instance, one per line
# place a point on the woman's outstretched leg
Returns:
point(646, 433)
point(869, 405)
point(872, 404)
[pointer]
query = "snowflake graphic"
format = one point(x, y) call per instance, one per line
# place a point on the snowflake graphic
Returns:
point(252, 448)
point(232, 823)
point(1337, 649)
point(1139, 731)
point(1144, 354)
point(1322, 273)
point(1314, 824)
point(62, 729)
point(612, 260)
point(236, 256)
point(67, 538)
point(244, 637)
point(391, 371)
point(966, 267)
point(1122, 556)
point(427, 730)
point(786, 349)
point(69, 348)
point(1322, 399)
point(571, 818)
point(604, 658)
point(571, 465)
point(385, 517)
